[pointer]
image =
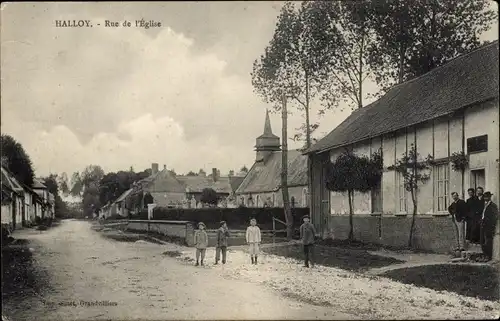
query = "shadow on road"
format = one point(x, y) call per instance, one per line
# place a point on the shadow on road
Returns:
point(21, 277)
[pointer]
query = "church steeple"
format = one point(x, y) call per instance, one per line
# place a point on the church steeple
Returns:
point(267, 142)
point(267, 125)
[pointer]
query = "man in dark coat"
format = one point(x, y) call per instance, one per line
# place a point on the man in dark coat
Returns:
point(458, 209)
point(473, 217)
point(488, 225)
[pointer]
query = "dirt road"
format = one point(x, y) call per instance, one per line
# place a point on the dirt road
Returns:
point(78, 274)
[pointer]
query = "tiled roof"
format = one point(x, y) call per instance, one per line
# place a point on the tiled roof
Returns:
point(235, 182)
point(466, 80)
point(37, 184)
point(196, 184)
point(124, 195)
point(163, 181)
point(267, 177)
point(10, 181)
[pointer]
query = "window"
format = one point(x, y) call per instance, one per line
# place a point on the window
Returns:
point(441, 186)
point(402, 193)
point(477, 144)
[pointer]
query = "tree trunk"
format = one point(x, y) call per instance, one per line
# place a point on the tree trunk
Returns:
point(351, 213)
point(412, 228)
point(308, 128)
point(401, 63)
point(284, 172)
point(360, 79)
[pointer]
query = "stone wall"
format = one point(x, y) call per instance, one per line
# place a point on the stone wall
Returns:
point(178, 229)
point(432, 233)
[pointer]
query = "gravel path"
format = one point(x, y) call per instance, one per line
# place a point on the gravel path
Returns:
point(92, 277)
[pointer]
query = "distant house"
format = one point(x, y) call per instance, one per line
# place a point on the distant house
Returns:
point(194, 185)
point(46, 204)
point(453, 108)
point(169, 190)
point(12, 201)
point(261, 186)
point(120, 205)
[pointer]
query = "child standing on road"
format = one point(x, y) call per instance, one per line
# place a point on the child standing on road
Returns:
point(307, 234)
point(253, 239)
point(222, 236)
point(201, 243)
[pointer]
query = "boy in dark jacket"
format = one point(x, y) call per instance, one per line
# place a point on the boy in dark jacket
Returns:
point(222, 236)
point(307, 234)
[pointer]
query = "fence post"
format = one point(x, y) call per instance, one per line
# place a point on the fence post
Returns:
point(274, 227)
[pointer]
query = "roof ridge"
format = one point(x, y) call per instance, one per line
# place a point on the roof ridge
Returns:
point(481, 47)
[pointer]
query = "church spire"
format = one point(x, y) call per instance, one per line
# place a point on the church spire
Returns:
point(267, 142)
point(267, 125)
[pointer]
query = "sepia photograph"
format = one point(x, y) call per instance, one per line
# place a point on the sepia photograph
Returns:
point(250, 160)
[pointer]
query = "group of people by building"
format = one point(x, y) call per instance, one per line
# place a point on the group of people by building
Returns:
point(253, 238)
point(476, 219)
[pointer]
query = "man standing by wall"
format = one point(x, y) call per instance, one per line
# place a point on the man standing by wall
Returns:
point(458, 209)
point(488, 226)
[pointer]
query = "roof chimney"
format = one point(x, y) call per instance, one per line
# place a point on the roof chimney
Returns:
point(154, 168)
point(214, 174)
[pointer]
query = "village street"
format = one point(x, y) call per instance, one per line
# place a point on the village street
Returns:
point(138, 282)
point(76, 266)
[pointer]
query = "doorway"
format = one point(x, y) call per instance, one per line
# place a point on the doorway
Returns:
point(478, 178)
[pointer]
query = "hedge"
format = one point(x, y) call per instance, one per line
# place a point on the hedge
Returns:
point(236, 218)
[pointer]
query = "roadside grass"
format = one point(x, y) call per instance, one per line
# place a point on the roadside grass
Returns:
point(480, 281)
point(355, 260)
point(20, 275)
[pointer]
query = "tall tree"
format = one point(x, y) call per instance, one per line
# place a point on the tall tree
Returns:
point(90, 179)
point(76, 184)
point(62, 181)
point(293, 63)
point(415, 37)
point(415, 172)
point(17, 160)
point(284, 171)
point(91, 175)
point(346, 26)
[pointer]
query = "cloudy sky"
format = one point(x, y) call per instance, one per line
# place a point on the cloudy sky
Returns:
point(178, 95)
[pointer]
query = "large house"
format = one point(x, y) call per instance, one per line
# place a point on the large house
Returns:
point(12, 201)
point(20, 204)
point(261, 187)
point(451, 109)
point(167, 189)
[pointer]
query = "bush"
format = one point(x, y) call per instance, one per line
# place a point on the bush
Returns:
point(236, 218)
